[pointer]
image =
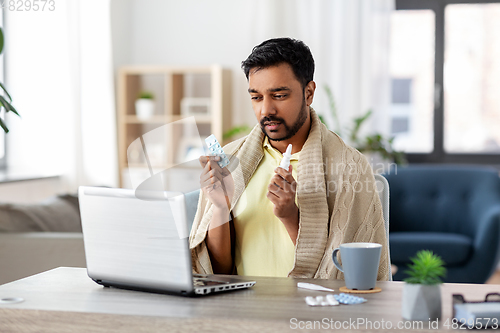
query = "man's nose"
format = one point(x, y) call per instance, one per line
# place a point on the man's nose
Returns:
point(267, 107)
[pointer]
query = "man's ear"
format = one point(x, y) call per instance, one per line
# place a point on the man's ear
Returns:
point(309, 92)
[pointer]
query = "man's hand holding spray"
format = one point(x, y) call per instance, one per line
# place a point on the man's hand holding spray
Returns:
point(281, 192)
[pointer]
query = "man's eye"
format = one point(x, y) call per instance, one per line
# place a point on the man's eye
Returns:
point(279, 96)
point(255, 98)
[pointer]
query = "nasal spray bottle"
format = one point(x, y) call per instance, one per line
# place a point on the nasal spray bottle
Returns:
point(285, 162)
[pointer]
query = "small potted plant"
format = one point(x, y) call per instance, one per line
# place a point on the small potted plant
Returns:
point(422, 290)
point(145, 105)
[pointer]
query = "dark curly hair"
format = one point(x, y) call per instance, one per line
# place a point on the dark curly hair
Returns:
point(276, 51)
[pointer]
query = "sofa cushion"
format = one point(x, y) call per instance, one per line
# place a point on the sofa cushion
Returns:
point(54, 214)
point(440, 198)
point(454, 249)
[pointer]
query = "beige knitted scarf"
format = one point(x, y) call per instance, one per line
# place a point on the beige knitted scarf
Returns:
point(335, 194)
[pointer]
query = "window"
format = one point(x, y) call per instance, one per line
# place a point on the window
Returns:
point(412, 71)
point(472, 78)
point(401, 107)
point(445, 69)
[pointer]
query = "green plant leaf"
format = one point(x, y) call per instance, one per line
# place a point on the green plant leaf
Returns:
point(426, 268)
point(2, 124)
point(1, 40)
point(5, 90)
point(146, 95)
point(357, 125)
point(333, 109)
point(322, 119)
point(235, 131)
point(8, 107)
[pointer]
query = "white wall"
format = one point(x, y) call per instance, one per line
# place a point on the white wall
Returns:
point(188, 32)
point(59, 74)
point(345, 38)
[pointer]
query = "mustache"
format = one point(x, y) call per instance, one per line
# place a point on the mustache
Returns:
point(270, 119)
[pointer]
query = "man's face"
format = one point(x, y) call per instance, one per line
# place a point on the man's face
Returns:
point(278, 101)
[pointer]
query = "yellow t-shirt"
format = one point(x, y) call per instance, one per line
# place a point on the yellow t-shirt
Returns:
point(263, 246)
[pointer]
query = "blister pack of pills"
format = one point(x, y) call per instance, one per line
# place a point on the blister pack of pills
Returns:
point(332, 300)
point(215, 149)
point(349, 299)
point(328, 300)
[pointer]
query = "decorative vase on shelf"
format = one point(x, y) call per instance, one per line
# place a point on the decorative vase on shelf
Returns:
point(145, 106)
point(422, 291)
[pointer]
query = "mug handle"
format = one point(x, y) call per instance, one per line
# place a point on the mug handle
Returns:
point(335, 260)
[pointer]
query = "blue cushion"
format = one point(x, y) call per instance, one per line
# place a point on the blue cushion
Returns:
point(454, 249)
point(440, 199)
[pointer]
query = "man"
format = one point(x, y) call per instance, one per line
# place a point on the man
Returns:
point(285, 222)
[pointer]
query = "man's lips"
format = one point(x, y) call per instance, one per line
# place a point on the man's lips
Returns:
point(272, 125)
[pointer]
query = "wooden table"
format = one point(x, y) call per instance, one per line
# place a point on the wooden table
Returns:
point(66, 300)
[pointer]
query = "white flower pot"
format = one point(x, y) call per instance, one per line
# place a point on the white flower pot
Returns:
point(144, 108)
point(421, 302)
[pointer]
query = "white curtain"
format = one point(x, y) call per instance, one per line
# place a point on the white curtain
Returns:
point(61, 79)
point(350, 44)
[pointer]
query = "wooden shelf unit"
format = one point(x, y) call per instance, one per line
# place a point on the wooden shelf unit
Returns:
point(170, 85)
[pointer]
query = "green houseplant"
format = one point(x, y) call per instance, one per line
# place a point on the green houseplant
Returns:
point(146, 95)
point(371, 144)
point(145, 105)
point(3, 101)
point(422, 290)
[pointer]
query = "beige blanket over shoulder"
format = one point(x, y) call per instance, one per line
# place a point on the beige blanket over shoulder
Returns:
point(336, 198)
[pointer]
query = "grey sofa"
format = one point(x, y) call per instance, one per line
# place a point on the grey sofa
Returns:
point(38, 237)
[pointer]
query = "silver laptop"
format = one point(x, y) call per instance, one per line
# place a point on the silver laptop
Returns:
point(139, 240)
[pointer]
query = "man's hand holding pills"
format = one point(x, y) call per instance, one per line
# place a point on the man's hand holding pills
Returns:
point(216, 182)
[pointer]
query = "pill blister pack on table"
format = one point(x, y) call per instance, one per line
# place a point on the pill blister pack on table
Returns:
point(332, 300)
point(216, 150)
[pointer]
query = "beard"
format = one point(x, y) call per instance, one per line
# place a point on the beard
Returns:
point(290, 131)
